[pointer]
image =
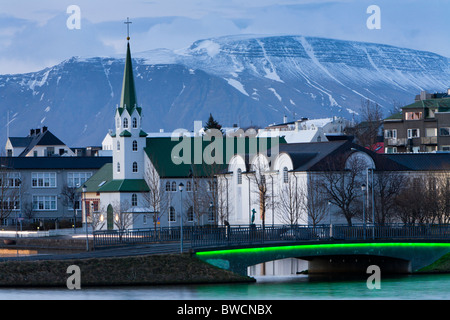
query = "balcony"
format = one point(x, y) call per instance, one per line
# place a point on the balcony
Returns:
point(396, 142)
point(429, 140)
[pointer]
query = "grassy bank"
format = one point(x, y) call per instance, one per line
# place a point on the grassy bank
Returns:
point(125, 271)
point(440, 266)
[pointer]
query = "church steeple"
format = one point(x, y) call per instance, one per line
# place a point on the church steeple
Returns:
point(128, 99)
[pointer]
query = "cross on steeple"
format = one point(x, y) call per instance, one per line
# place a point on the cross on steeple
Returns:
point(128, 22)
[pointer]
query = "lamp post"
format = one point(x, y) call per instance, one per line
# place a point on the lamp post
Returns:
point(363, 188)
point(181, 188)
point(85, 216)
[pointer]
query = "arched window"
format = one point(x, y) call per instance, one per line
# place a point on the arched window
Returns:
point(285, 175)
point(188, 186)
point(190, 214)
point(118, 145)
point(167, 186)
point(135, 145)
point(211, 213)
point(118, 122)
point(118, 166)
point(174, 186)
point(125, 123)
point(134, 200)
point(239, 176)
point(135, 167)
point(172, 214)
point(135, 123)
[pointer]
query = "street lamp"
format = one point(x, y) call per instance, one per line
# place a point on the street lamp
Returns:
point(85, 216)
point(363, 188)
point(181, 188)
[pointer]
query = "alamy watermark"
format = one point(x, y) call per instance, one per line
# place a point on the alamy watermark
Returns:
point(374, 281)
point(74, 281)
point(374, 21)
point(216, 148)
point(74, 20)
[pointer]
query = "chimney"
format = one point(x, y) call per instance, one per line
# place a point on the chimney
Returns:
point(285, 119)
point(32, 132)
point(423, 95)
point(44, 129)
point(38, 131)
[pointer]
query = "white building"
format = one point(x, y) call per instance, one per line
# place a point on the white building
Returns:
point(39, 143)
point(290, 179)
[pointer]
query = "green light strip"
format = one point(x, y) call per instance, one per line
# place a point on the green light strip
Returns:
point(323, 246)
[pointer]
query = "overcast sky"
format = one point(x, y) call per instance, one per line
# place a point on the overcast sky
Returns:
point(34, 34)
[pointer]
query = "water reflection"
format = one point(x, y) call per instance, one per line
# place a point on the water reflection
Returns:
point(284, 267)
point(8, 253)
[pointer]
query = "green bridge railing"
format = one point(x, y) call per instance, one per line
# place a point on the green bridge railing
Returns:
point(200, 237)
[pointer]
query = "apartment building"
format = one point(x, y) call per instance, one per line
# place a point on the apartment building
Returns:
point(423, 126)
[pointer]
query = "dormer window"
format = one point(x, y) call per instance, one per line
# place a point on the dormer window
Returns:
point(135, 123)
point(125, 123)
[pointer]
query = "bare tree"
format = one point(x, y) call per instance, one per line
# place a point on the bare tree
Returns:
point(71, 198)
point(410, 201)
point(341, 185)
point(387, 187)
point(10, 183)
point(367, 130)
point(313, 201)
point(290, 201)
point(204, 195)
point(123, 218)
point(258, 176)
point(97, 221)
point(155, 198)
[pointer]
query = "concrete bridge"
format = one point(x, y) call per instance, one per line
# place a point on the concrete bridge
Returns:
point(328, 248)
point(332, 257)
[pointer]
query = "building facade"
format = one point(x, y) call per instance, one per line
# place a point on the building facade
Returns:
point(423, 126)
point(44, 188)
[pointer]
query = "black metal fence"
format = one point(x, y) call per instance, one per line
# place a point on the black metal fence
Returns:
point(199, 237)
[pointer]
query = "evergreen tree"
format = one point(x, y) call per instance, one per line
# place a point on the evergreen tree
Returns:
point(212, 124)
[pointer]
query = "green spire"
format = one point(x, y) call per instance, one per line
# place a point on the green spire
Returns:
point(128, 100)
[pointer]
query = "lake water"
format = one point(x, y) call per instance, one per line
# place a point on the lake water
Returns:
point(287, 286)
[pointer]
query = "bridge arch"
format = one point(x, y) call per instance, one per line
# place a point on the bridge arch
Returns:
point(393, 257)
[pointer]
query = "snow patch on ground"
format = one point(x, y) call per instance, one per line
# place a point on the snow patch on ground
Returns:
point(238, 86)
point(276, 94)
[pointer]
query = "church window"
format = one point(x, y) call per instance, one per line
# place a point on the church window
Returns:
point(285, 175)
point(190, 214)
point(118, 122)
point(167, 186)
point(188, 186)
point(174, 186)
point(118, 166)
point(135, 123)
point(134, 201)
point(118, 145)
point(172, 214)
point(239, 176)
point(135, 167)
point(125, 123)
point(135, 145)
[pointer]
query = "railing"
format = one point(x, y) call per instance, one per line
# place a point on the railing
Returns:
point(200, 237)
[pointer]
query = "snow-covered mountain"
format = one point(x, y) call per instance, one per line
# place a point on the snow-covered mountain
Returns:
point(239, 79)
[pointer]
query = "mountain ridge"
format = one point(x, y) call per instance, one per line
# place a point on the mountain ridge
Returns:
point(241, 80)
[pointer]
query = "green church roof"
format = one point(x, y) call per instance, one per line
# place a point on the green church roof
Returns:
point(159, 151)
point(127, 185)
point(128, 100)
